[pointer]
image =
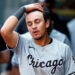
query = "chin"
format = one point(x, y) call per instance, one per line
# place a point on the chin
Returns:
point(37, 38)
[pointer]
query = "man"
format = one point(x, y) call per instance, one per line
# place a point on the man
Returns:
point(22, 29)
point(40, 55)
point(58, 25)
point(54, 34)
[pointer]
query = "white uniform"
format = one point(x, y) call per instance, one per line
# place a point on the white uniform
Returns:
point(53, 59)
point(54, 34)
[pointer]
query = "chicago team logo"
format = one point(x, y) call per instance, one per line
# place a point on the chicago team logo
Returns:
point(42, 64)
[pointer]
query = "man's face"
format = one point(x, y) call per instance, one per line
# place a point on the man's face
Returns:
point(36, 24)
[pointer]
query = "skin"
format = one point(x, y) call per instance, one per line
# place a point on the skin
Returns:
point(4, 57)
point(15, 70)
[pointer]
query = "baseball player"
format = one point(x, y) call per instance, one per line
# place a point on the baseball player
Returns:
point(40, 55)
point(54, 34)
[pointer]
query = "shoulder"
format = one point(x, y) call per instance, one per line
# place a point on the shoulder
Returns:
point(25, 38)
point(59, 42)
point(62, 48)
point(58, 35)
point(60, 45)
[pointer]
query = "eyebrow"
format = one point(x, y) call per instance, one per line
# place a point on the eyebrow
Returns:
point(35, 19)
point(28, 22)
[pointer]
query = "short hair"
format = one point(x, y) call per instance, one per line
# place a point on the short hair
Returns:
point(46, 15)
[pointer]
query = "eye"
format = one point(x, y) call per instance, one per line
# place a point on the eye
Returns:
point(37, 21)
point(29, 23)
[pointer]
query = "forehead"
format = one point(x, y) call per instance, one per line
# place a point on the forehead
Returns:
point(34, 15)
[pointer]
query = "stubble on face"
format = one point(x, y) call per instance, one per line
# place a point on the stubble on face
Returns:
point(40, 31)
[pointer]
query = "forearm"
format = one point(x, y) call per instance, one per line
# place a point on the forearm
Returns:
point(10, 24)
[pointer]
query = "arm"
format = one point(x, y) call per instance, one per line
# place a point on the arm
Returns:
point(4, 57)
point(9, 36)
point(7, 31)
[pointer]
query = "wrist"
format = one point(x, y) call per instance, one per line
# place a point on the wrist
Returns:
point(19, 13)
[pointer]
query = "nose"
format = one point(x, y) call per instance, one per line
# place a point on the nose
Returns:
point(34, 26)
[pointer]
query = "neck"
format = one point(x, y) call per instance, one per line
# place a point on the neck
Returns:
point(43, 41)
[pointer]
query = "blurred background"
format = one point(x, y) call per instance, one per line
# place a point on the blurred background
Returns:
point(63, 7)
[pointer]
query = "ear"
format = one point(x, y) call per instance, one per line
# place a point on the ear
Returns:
point(47, 23)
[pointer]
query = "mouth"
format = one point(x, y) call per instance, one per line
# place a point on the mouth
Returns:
point(35, 32)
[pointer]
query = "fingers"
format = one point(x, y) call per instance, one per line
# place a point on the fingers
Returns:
point(39, 7)
point(33, 7)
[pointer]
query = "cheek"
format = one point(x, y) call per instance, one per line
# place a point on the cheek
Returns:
point(42, 27)
point(29, 29)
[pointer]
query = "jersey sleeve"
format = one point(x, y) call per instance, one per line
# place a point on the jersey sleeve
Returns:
point(20, 46)
point(69, 62)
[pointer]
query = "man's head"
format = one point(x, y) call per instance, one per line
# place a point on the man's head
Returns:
point(38, 22)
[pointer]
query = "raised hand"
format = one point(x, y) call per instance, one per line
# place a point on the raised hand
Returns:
point(33, 7)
